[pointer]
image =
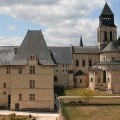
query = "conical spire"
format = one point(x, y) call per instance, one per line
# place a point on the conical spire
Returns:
point(81, 42)
point(107, 10)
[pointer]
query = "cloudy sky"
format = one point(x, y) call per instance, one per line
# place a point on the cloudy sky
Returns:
point(61, 21)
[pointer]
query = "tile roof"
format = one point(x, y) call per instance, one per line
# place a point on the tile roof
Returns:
point(110, 48)
point(62, 55)
point(33, 43)
point(86, 49)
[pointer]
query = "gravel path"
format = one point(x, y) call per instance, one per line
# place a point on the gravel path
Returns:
point(39, 116)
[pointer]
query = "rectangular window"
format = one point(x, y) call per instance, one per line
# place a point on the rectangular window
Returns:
point(20, 70)
point(32, 97)
point(8, 70)
point(4, 85)
point(32, 84)
point(32, 69)
point(20, 97)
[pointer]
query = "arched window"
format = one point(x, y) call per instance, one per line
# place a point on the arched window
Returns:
point(77, 62)
point(90, 63)
point(110, 35)
point(105, 36)
point(104, 76)
point(83, 63)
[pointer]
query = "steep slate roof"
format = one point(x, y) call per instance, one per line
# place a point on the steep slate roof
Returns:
point(33, 43)
point(79, 73)
point(62, 55)
point(110, 48)
point(86, 49)
point(107, 10)
point(6, 54)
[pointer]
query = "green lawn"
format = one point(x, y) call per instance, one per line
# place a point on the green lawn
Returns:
point(75, 91)
point(93, 112)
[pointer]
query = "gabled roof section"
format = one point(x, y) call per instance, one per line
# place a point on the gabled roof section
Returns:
point(107, 10)
point(33, 43)
point(110, 48)
point(86, 49)
point(62, 55)
point(79, 73)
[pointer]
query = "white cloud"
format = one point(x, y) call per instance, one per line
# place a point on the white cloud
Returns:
point(11, 27)
point(65, 20)
point(11, 41)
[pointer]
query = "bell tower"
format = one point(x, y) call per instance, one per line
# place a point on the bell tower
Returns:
point(107, 30)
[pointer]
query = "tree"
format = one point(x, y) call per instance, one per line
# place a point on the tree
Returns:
point(87, 95)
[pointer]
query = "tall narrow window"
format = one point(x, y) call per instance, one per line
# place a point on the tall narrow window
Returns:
point(90, 63)
point(20, 97)
point(105, 36)
point(77, 63)
point(110, 35)
point(32, 69)
point(32, 97)
point(4, 85)
point(83, 63)
point(20, 70)
point(8, 70)
point(32, 84)
point(104, 76)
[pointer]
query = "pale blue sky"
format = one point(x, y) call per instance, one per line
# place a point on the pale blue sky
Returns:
point(62, 21)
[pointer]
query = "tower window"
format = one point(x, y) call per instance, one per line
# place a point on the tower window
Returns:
point(110, 35)
point(83, 63)
point(77, 63)
point(90, 63)
point(105, 36)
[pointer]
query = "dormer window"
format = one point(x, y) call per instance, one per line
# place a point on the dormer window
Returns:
point(32, 57)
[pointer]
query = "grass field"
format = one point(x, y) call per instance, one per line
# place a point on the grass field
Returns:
point(93, 113)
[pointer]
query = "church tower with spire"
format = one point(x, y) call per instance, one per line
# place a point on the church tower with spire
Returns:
point(107, 30)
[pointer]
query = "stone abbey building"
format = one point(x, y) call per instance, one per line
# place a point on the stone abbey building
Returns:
point(29, 72)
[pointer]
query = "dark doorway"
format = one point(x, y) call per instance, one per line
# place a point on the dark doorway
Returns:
point(16, 106)
point(9, 102)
